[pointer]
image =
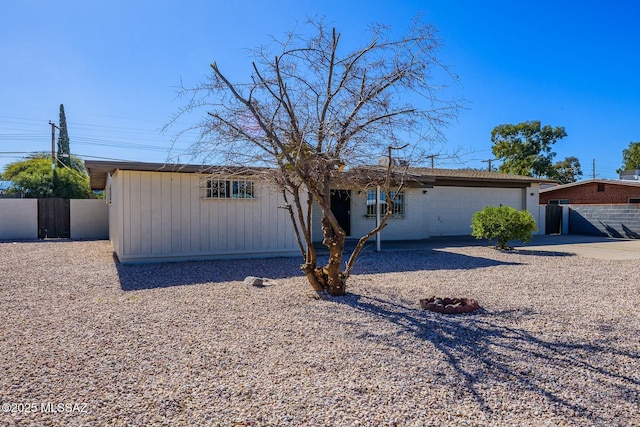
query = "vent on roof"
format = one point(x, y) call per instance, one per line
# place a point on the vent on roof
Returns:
point(633, 175)
point(384, 161)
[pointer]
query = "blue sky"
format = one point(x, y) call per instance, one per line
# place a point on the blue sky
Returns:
point(116, 66)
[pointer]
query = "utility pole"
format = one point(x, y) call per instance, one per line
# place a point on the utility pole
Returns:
point(489, 161)
point(594, 169)
point(53, 144)
point(432, 157)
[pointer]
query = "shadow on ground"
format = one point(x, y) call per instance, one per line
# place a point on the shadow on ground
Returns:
point(429, 260)
point(135, 277)
point(480, 348)
point(534, 252)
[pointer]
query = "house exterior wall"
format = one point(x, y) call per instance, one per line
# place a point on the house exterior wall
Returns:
point(18, 219)
point(450, 209)
point(89, 219)
point(163, 216)
point(410, 226)
point(588, 193)
point(114, 196)
point(437, 211)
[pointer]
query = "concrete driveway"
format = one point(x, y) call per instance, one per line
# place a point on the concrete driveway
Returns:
point(585, 246)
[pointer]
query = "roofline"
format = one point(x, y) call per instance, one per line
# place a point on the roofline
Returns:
point(591, 181)
point(99, 169)
point(482, 176)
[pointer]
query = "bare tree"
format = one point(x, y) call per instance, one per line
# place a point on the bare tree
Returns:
point(313, 113)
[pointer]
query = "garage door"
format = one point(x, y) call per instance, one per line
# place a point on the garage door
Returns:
point(451, 208)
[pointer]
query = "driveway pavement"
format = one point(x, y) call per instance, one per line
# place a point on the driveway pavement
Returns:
point(585, 246)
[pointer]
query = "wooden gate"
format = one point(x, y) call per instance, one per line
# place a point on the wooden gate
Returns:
point(54, 218)
point(553, 219)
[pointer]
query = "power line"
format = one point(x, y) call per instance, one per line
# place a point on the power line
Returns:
point(489, 161)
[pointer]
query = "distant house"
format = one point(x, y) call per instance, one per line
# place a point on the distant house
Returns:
point(4, 187)
point(593, 192)
point(177, 212)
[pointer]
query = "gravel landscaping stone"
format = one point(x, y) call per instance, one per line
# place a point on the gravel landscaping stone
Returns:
point(87, 341)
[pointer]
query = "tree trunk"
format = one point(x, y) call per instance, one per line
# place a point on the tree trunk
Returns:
point(333, 279)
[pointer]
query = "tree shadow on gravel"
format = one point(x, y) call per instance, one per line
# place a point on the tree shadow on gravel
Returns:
point(136, 277)
point(480, 348)
point(429, 260)
point(532, 252)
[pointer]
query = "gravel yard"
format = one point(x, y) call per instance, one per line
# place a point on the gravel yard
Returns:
point(86, 341)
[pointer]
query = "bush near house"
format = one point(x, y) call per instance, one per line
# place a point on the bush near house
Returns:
point(503, 223)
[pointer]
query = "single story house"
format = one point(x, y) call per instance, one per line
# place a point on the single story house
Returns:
point(592, 192)
point(161, 212)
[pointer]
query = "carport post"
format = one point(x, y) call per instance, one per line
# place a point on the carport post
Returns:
point(378, 218)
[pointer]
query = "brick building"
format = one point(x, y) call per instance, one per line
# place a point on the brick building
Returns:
point(592, 192)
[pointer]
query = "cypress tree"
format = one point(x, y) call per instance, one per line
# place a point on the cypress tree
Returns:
point(64, 153)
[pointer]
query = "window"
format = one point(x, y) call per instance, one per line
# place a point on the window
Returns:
point(398, 205)
point(559, 202)
point(600, 187)
point(229, 189)
point(634, 200)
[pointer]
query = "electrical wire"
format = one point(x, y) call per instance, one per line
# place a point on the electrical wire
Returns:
point(16, 131)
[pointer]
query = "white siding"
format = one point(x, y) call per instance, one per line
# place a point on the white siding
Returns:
point(164, 216)
point(116, 213)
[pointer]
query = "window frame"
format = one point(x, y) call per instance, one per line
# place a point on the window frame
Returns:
point(399, 206)
point(229, 189)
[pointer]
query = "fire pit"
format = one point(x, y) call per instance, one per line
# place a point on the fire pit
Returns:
point(449, 305)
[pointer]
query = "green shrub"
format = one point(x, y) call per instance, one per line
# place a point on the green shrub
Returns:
point(503, 223)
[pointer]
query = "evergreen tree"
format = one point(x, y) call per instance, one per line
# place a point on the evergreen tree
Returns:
point(64, 152)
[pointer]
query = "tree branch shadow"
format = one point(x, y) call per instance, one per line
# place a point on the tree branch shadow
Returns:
point(136, 277)
point(480, 348)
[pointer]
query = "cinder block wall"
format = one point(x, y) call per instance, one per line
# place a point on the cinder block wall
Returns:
point(622, 221)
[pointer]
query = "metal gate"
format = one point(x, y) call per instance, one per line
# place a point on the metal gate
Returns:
point(54, 218)
point(553, 219)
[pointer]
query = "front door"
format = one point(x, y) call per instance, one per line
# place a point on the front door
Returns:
point(341, 208)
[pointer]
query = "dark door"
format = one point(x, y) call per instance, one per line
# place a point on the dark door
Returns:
point(341, 208)
point(54, 218)
point(553, 219)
